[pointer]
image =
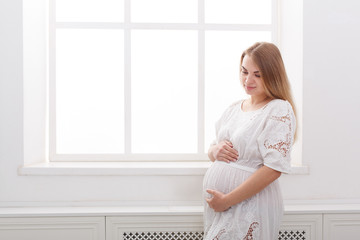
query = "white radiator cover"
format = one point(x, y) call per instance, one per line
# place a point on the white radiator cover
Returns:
point(162, 224)
point(299, 227)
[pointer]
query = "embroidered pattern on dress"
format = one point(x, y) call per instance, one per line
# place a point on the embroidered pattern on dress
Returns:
point(282, 146)
point(282, 118)
point(259, 113)
point(249, 235)
point(221, 232)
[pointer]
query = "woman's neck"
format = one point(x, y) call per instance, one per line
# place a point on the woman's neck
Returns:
point(254, 103)
point(258, 100)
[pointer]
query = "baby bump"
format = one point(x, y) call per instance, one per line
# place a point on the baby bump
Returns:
point(223, 177)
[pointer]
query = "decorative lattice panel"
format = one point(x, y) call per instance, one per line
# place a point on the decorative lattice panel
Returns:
point(292, 235)
point(163, 235)
point(283, 235)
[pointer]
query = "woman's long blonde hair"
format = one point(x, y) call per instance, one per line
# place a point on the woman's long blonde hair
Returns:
point(268, 59)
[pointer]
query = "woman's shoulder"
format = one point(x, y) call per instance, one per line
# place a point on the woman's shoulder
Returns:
point(236, 103)
point(279, 106)
point(276, 103)
point(231, 108)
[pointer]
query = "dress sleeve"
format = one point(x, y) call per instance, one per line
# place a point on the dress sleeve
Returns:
point(276, 140)
point(222, 119)
point(217, 127)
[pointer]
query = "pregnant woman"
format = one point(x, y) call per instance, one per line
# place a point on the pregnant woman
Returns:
point(254, 137)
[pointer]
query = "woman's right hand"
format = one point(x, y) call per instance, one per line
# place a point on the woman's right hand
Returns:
point(224, 151)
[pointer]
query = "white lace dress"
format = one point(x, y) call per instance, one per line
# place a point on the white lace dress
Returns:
point(261, 137)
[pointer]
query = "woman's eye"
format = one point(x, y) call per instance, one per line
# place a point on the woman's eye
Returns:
point(244, 72)
point(257, 75)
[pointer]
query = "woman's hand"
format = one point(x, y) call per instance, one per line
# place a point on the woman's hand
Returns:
point(218, 202)
point(224, 151)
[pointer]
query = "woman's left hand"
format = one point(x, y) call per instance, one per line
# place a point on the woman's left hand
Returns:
point(218, 201)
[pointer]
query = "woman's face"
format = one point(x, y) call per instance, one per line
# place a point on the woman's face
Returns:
point(251, 79)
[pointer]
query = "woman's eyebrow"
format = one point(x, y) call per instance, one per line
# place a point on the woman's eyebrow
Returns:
point(246, 70)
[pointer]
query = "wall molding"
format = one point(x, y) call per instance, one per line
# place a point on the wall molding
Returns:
point(341, 226)
point(312, 206)
point(80, 228)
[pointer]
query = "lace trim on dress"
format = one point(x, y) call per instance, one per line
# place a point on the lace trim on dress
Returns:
point(249, 235)
point(282, 146)
point(221, 232)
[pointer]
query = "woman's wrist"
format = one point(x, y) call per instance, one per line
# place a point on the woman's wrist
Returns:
point(211, 153)
point(228, 201)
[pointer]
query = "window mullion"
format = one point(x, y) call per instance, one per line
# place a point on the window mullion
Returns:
point(52, 79)
point(201, 77)
point(127, 76)
point(275, 22)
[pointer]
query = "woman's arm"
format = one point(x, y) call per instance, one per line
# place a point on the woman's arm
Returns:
point(210, 153)
point(254, 184)
point(224, 151)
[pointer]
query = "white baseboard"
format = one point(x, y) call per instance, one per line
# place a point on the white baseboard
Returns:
point(24, 204)
point(288, 203)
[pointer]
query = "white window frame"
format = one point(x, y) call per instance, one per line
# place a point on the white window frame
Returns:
point(36, 116)
point(127, 26)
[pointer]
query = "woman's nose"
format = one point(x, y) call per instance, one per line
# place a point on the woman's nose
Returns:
point(249, 79)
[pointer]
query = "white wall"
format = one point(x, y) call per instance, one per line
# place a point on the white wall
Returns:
point(330, 125)
point(331, 106)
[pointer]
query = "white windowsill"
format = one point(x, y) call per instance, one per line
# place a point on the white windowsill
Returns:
point(115, 168)
point(125, 169)
point(160, 210)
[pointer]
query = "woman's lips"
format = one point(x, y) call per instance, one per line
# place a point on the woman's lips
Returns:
point(249, 88)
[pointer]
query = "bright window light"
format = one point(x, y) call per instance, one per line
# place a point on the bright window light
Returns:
point(146, 80)
point(89, 91)
point(238, 11)
point(90, 10)
point(164, 91)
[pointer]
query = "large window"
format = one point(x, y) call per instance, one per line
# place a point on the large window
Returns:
point(146, 79)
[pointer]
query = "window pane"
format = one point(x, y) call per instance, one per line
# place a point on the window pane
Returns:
point(171, 11)
point(164, 91)
point(90, 10)
point(89, 91)
point(238, 11)
point(222, 64)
